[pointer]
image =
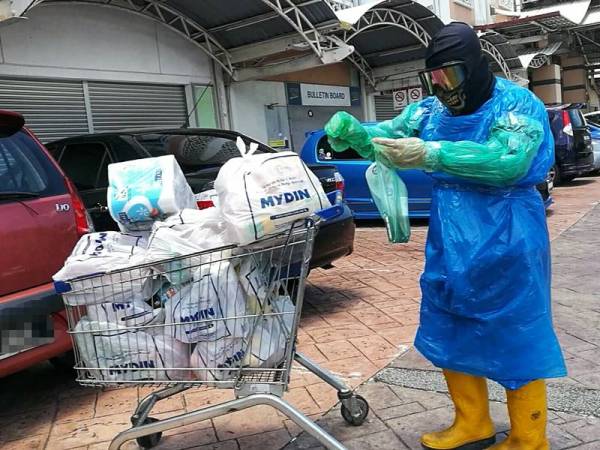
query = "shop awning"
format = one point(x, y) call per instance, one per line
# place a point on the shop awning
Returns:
point(538, 59)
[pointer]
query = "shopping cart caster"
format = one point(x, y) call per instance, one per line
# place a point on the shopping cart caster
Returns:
point(150, 440)
point(357, 414)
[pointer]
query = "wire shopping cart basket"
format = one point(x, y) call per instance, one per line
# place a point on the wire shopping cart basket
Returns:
point(224, 318)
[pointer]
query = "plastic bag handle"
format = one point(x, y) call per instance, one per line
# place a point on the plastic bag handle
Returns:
point(245, 152)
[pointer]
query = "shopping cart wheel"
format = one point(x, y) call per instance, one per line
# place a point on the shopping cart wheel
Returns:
point(150, 440)
point(357, 417)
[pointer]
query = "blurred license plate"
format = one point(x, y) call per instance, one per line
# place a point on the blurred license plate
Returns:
point(28, 335)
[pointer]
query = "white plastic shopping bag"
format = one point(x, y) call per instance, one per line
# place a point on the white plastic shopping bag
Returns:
point(270, 335)
point(190, 231)
point(124, 313)
point(218, 360)
point(98, 253)
point(209, 307)
point(143, 190)
point(254, 274)
point(114, 353)
point(262, 194)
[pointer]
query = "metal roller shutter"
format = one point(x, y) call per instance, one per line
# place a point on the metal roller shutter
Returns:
point(117, 106)
point(52, 109)
point(384, 107)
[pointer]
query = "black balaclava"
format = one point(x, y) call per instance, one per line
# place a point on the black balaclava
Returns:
point(458, 42)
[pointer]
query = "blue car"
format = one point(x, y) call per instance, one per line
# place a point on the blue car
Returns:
point(352, 166)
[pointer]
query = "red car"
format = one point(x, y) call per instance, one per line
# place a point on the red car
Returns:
point(41, 219)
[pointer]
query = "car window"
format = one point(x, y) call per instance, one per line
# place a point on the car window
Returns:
point(193, 152)
point(594, 119)
point(86, 164)
point(24, 167)
point(125, 148)
point(577, 119)
point(326, 153)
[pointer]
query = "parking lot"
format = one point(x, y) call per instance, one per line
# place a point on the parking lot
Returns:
point(359, 316)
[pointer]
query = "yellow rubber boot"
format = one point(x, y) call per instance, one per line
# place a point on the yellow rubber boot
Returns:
point(472, 428)
point(528, 415)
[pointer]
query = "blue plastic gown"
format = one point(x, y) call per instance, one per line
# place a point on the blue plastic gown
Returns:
point(486, 286)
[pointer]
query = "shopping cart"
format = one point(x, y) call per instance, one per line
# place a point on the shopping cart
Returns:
point(225, 318)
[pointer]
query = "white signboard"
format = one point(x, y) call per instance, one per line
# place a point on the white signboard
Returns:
point(400, 99)
point(324, 95)
point(415, 94)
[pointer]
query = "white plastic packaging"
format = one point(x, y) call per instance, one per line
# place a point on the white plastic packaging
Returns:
point(254, 279)
point(98, 253)
point(218, 360)
point(263, 194)
point(209, 307)
point(266, 346)
point(128, 314)
point(143, 190)
point(188, 232)
point(113, 353)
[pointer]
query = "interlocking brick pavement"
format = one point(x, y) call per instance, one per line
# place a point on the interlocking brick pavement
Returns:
point(358, 317)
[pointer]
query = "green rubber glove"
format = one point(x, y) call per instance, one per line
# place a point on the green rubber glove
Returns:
point(344, 130)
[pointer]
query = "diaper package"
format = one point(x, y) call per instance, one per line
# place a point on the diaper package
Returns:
point(114, 353)
point(143, 190)
point(209, 307)
point(98, 253)
point(218, 360)
point(262, 194)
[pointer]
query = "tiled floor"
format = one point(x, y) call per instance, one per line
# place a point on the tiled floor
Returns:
point(357, 318)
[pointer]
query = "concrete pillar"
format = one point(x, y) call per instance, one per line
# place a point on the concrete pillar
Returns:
point(545, 83)
point(574, 80)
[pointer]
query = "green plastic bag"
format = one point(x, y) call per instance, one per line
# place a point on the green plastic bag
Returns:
point(391, 198)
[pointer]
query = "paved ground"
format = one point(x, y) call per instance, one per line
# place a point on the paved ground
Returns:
point(359, 317)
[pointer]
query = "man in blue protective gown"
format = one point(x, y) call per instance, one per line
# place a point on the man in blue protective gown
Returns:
point(485, 311)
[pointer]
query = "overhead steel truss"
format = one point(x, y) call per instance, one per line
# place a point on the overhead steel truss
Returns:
point(327, 48)
point(380, 17)
point(294, 16)
point(170, 17)
point(494, 53)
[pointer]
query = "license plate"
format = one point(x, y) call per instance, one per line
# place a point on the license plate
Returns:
point(29, 335)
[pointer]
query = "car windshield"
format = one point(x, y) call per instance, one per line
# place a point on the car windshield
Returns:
point(192, 151)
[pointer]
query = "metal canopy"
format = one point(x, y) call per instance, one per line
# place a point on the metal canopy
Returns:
point(540, 58)
point(388, 33)
point(502, 56)
point(242, 36)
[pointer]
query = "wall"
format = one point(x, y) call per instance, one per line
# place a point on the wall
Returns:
point(99, 43)
point(461, 13)
point(248, 99)
point(334, 74)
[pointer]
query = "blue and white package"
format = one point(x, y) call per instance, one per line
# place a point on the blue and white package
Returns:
point(144, 190)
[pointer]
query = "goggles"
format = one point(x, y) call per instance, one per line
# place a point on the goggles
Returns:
point(447, 78)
